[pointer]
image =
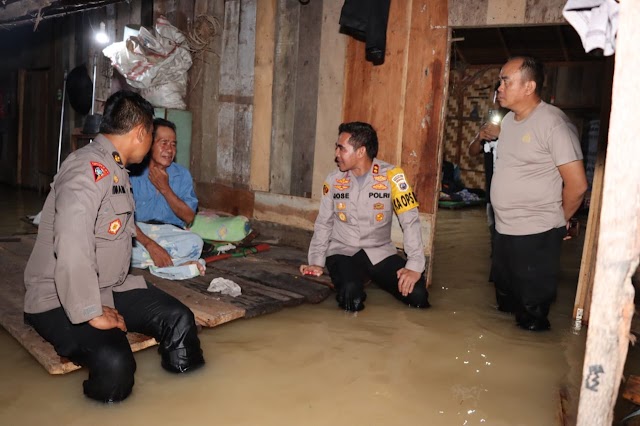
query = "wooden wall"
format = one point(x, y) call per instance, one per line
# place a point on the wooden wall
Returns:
point(481, 13)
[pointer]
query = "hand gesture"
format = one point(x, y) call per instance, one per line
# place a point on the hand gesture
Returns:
point(109, 319)
point(159, 178)
point(407, 279)
point(312, 270)
point(489, 132)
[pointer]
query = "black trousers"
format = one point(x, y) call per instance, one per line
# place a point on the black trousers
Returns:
point(107, 353)
point(350, 273)
point(525, 272)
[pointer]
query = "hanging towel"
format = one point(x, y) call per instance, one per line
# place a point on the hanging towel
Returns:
point(596, 21)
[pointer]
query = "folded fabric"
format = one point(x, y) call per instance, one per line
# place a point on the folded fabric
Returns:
point(182, 272)
point(221, 228)
point(224, 286)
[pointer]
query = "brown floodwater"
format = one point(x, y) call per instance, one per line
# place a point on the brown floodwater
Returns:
point(460, 362)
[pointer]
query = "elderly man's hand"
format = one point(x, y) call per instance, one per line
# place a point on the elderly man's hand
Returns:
point(159, 255)
point(313, 270)
point(159, 178)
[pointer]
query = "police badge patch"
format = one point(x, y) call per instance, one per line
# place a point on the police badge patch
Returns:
point(115, 226)
point(99, 171)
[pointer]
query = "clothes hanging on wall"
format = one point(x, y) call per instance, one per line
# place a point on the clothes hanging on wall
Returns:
point(596, 21)
point(366, 20)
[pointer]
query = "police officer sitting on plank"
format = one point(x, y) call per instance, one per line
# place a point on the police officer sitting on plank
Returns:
point(352, 233)
point(79, 295)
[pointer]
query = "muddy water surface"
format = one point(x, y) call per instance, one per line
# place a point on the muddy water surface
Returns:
point(459, 363)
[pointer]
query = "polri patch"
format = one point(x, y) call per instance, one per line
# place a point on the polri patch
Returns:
point(115, 226)
point(325, 189)
point(99, 171)
point(400, 182)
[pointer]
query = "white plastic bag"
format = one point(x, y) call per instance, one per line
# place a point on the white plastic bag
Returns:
point(155, 64)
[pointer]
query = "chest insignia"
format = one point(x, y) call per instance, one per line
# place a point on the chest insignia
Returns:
point(115, 179)
point(380, 186)
point(115, 226)
point(99, 171)
point(342, 216)
point(379, 217)
point(118, 189)
point(378, 206)
point(380, 178)
point(341, 187)
point(341, 206)
point(526, 138)
point(343, 181)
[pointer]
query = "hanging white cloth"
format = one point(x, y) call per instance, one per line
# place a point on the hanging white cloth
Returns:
point(596, 21)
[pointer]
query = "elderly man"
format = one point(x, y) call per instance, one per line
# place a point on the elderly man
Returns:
point(538, 184)
point(165, 204)
point(352, 232)
point(79, 295)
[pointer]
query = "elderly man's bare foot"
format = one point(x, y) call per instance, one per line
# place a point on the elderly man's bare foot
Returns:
point(200, 266)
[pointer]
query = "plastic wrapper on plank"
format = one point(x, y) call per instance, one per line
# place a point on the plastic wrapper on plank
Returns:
point(155, 64)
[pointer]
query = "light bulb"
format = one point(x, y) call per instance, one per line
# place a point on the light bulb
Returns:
point(101, 36)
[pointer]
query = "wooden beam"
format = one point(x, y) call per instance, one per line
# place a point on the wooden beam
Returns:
point(613, 307)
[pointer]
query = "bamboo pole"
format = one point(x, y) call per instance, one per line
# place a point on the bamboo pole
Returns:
point(619, 239)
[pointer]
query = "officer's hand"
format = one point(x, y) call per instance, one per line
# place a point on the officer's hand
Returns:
point(406, 280)
point(312, 270)
point(109, 319)
point(159, 255)
point(489, 132)
point(159, 178)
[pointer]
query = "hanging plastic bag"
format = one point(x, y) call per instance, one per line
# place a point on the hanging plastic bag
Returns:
point(156, 64)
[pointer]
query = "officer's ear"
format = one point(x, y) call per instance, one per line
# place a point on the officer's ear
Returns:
point(361, 151)
point(141, 133)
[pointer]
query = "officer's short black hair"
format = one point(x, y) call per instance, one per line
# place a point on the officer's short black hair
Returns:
point(531, 70)
point(362, 134)
point(123, 111)
point(161, 122)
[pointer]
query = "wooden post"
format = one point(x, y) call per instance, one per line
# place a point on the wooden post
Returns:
point(587, 266)
point(619, 240)
point(21, 79)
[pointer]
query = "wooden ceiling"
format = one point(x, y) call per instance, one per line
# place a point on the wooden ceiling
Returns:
point(494, 45)
point(20, 12)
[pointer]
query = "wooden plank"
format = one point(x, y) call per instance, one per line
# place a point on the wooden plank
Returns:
point(223, 198)
point(306, 98)
point(581, 308)
point(21, 82)
point(330, 91)
point(613, 305)
point(262, 97)
point(465, 13)
point(284, 86)
point(631, 390)
point(208, 310)
point(12, 264)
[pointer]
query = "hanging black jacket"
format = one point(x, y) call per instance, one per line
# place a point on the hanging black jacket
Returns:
point(366, 20)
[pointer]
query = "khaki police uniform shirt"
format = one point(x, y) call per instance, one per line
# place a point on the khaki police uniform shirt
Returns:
point(354, 217)
point(83, 249)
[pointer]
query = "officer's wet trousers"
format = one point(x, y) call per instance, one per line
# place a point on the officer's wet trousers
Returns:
point(107, 353)
point(525, 272)
point(350, 273)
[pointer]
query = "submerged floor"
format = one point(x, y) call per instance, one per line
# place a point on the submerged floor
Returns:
point(459, 363)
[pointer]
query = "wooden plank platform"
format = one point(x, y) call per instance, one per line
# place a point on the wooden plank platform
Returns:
point(270, 281)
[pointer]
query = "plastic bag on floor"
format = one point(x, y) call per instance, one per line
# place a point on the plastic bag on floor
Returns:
point(224, 286)
point(156, 64)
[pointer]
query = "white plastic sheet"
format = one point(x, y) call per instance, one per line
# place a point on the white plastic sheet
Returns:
point(157, 64)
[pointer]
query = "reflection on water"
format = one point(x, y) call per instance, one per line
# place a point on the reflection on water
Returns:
point(459, 363)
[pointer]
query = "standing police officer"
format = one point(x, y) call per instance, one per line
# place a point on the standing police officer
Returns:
point(352, 233)
point(79, 294)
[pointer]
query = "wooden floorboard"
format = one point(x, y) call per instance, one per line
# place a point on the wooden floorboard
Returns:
point(270, 281)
